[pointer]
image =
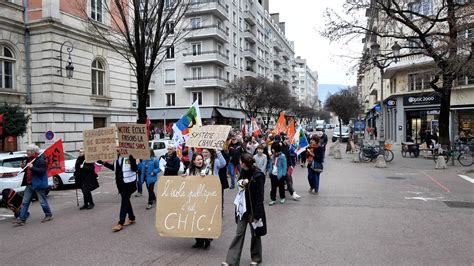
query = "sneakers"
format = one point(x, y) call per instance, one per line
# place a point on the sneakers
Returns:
point(138, 195)
point(149, 206)
point(296, 196)
point(90, 206)
point(18, 223)
point(83, 207)
point(271, 203)
point(117, 228)
point(282, 201)
point(253, 263)
point(225, 264)
point(47, 219)
point(314, 192)
point(129, 222)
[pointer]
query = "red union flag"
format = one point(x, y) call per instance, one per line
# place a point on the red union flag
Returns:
point(55, 158)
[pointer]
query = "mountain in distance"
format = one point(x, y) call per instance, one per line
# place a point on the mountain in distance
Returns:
point(325, 89)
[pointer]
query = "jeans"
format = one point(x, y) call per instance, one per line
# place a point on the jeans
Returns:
point(313, 179)
point(235, 249)
point(289, 184)
point(126, 208)
point(151, 193)
point(280, 183)
point(231, 170)
point(28, 194)
point(139, 186)
point(88, 198)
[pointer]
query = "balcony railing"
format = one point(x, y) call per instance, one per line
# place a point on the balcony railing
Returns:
point(205, 82)
point(207, 31)
point(249, 16)
point(206, 56)
point(249, 36)
point(208, 6)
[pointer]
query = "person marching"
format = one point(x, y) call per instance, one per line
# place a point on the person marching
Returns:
point(86, 179)
point(235, 150)
point(125, 169)
point(315, 164)
point(36, 180)
point(249, 210)
point(197, 167)
point(172, 161)
point(215, 160)
point(149, 170)
point(278, 171)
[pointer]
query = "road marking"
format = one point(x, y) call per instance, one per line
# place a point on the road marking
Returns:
point(436, 182)
point(467, 178)
point(415, 192)
point(422, 198)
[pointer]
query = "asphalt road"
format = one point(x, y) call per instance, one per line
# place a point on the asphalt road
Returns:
point(363, 215)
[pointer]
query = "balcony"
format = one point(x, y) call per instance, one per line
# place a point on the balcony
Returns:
point(209, 31)
point(215, 57)
point(285, 55)
point(205, 82)
point(250, 17)
point(202, 7)
point(277, 73)
point(249, 36)
point(285, 67)
point(276, 59)
point(250, 55)
point(277, 46)
point(249, 72)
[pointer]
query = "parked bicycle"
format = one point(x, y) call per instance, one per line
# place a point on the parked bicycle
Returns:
point(462, 152)
point(369, 153)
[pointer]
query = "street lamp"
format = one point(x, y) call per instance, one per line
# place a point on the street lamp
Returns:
point(381, 64)
point(69, 68)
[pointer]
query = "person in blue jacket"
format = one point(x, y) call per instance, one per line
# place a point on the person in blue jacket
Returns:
point(277, 168)
point(149, 170)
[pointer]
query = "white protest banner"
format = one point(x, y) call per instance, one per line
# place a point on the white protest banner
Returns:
point(100, 144)
point(212, 137)
point(189, 206)
point(133, 140)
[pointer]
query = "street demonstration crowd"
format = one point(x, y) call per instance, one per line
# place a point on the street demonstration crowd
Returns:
point(247, 161)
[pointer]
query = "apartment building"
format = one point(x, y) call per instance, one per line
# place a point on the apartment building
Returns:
point(305, 84)
point(37, 41)
point(411, 106)
point(226, 40)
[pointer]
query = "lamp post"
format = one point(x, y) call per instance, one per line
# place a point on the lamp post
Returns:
point(69, 67)
point(381, 64)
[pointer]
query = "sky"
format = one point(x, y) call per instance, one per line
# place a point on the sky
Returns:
point(304, 20)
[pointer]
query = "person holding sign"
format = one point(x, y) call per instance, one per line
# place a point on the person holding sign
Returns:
point(86, 179)
point(125, 177)
point(149, 170)
point(252, 182)
point(198, 167)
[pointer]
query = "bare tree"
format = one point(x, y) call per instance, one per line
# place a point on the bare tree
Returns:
point(277, 99)
point(141, 31)
point(438, 31)
point(249, 92)
point(345, 104)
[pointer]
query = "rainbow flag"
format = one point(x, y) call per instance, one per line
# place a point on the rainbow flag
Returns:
point(185, 124)
point(300, 141)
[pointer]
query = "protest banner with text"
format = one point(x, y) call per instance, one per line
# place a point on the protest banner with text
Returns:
point(100, 144)
point(133, 140)
point(212, 137)
point(189, 207)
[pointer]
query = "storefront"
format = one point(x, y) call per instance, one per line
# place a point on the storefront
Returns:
point(421, 116)
point(463, 122)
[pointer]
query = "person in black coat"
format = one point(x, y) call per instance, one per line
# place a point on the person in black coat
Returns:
point(235, 150)
point(252, 181)
point(86, 179)
point(172, 162)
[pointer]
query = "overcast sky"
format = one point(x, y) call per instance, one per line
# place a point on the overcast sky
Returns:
point(304, 19)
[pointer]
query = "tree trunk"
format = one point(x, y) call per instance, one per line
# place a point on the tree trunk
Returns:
point(340, 130)
point(142, 95)
point(444, 110)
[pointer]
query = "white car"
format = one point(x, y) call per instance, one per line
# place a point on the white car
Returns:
point(160, 146)
point(11, 175)
point(336, 133)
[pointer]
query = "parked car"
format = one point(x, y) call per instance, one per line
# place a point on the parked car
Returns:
point(336, 134)
point(11, 175)
point(160, 146)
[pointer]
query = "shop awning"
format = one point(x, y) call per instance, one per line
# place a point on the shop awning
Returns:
point(176, 113)
point(227, 113)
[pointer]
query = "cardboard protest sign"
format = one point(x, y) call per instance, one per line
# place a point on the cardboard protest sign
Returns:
point(212, 137)
point(100, 144)
point(189, 206)
point(133, 139)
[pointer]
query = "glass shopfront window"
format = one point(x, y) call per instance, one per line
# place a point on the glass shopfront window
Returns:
point(466, 125)
point(420, 123)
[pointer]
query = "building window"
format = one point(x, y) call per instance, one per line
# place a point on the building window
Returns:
point(148, 100)
point(196, 72)
point(465, 80)
point(96, 10)
point(419, 81)
point(197, 96)
point(170, 76)
point(196, 47)
point(170, 99)
point(7, 63)
point(169, 3)
point(170, 27)
point(170, 52)
point(196, 23)
point(98, 77)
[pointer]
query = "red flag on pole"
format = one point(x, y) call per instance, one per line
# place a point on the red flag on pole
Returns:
point(290, 132)
point(280, 125)
point(55, 158)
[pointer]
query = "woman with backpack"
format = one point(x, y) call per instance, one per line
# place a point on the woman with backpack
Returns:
point(149, 170)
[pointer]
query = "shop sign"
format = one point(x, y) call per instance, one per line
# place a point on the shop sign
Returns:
point(421, 100)
point(391, 103)
point(433, 112)
point(378, 108)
